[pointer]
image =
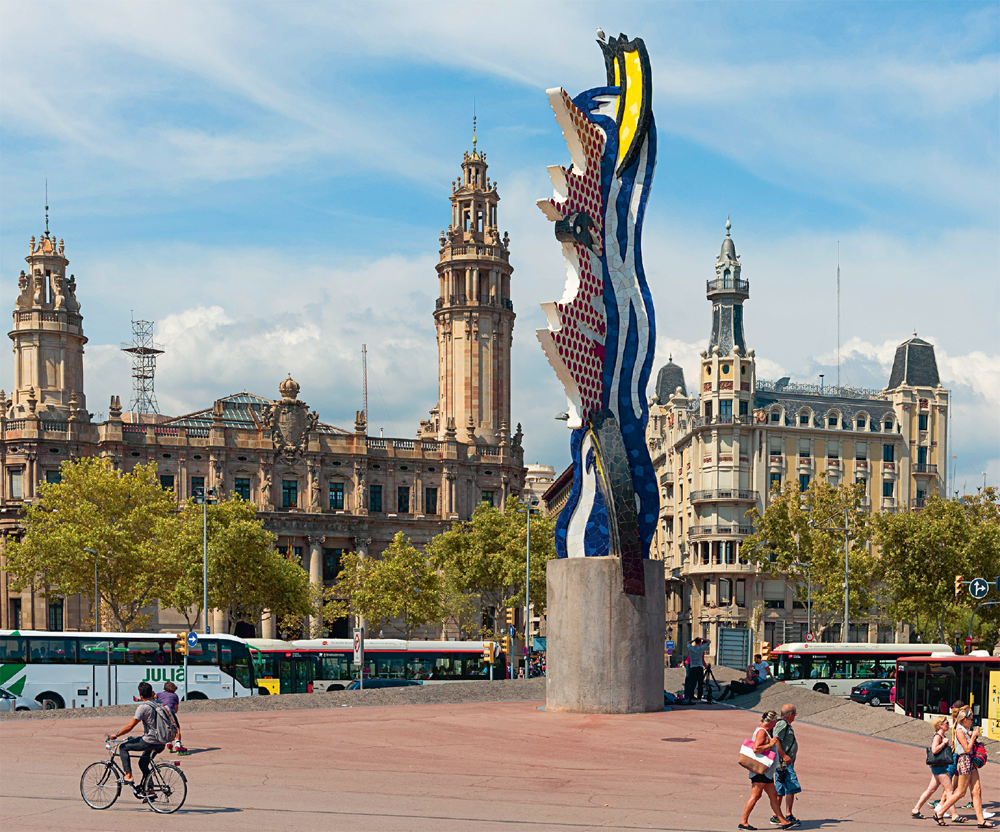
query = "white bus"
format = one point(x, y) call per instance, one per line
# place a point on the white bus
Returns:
point(836, 667)
point(87, 670)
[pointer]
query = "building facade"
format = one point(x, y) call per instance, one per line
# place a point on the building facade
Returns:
point(721, 448)
point(320, 489)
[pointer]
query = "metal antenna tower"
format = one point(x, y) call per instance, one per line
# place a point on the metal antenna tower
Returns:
point(364, 370)
point(144, 353)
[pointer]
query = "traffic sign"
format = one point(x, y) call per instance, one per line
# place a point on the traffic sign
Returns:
point(510, 631)
point(670, 645)
point(968, 641)
point(809, 636)
point(359, 645)
point(192, 638)
point(978, 588)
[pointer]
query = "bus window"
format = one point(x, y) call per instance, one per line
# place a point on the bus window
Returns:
point(236, 662)
point(52, 650)
point(419, 667)
point(149, 652)
point(390, 667)
point(11, 649)
point(866, 669)
point(793, 667)
point(335, 667)
point(838, 669)
point(204, 652)
point(820, 668)
point(95, 651)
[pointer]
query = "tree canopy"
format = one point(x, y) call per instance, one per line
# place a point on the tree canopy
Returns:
point(124, 518)
point(402, 584)
point(799, 532)
point(483, 563)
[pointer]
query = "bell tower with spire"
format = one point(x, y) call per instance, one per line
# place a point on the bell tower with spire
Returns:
point(48, 337)
point(473, 315)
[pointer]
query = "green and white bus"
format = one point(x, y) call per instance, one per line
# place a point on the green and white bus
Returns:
point(88, 670)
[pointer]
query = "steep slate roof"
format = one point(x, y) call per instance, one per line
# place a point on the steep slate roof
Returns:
point(914, 365)
point(242, 411)
point(669, 379)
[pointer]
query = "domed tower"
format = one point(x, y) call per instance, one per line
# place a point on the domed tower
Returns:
point(473, 315)
point(48, 337)
point(727, 293)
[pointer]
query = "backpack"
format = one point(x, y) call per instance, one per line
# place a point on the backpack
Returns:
point(164, 724)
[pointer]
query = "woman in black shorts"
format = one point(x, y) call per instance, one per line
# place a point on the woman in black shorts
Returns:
point(764, 783)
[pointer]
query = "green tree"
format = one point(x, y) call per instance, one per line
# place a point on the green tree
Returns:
point(483, 563)
point(792, 537)
point(401, 585)
point(246, 574)
point(922, 552)
point(124, 518)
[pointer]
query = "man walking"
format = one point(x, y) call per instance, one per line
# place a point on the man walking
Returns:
point(786, 783)
point(696, 668)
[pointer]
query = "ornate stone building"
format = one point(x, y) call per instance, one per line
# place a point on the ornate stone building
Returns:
point(320, 489)
point(720, 448)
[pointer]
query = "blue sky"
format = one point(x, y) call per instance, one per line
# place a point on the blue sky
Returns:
point(267, 181)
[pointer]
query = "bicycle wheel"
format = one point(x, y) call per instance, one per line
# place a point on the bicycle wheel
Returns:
point(166, 789)
point(99, 786)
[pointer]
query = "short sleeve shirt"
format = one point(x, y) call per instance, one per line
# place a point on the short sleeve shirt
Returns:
point(697, 653)
point(763, 670)
point(786, 736)
point(171, 700)
point(147, 716)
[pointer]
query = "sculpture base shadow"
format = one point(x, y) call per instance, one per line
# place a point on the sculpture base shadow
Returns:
point(604, 648)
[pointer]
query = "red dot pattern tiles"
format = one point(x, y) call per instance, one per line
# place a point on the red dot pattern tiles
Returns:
point(584, 314)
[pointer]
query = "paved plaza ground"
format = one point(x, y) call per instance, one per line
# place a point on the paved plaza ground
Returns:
point(482, 765)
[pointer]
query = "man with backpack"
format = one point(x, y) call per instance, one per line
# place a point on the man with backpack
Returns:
point(160, 729)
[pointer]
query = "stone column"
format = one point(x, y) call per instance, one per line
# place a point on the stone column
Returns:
point(605, 648)
point(268, 625)
point(315, 574)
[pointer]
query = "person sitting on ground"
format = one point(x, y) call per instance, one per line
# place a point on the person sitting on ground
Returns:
point(748, 684)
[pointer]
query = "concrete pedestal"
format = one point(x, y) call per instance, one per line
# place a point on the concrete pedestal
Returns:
point(604, 648)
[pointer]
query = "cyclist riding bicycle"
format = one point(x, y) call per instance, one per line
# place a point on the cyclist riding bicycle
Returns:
point(160, 728)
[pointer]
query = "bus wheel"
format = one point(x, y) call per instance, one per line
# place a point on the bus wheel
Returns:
point(196, 695)
point(50, 701)
point(821, 688)
point(263, 692)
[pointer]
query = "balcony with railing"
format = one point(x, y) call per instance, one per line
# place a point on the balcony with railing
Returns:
point(720, 494)
point(728, 284)
point(924, 468)
point(666, 477)
point(918, 503)
point(726, 530)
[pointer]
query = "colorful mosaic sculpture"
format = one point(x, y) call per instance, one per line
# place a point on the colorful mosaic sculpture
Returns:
point(600, 337)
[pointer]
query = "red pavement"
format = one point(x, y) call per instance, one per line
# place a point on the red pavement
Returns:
point(463, 767)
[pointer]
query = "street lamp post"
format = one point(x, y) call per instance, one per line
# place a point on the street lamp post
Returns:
point(204, 497)
point(97, 618)
point(532, 501)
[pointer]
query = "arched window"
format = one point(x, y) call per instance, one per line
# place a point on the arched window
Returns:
point(805, 417)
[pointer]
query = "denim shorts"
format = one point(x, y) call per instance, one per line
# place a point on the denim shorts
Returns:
point(937, 771)
point(790, 784)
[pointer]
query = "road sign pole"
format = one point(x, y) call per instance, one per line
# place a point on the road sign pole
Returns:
point(359, 655)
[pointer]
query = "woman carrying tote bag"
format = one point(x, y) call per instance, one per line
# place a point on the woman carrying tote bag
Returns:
point(759, 755)
point(939, 758)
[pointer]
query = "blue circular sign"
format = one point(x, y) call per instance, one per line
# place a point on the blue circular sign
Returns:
point(192, 638)
point(978, 588)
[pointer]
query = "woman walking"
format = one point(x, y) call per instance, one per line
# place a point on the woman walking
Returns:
point(764, 783)
point(940, 778)
point(968, 774)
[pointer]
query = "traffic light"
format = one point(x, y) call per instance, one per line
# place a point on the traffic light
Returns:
point(510, 616)
point(765, 651)
point(488, 652)
point(505, 644)
point(958, 585)
point(182, 644)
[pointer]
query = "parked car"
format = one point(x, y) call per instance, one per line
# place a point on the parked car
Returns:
point(874, 692)
point(384, 683)
point(12, 702)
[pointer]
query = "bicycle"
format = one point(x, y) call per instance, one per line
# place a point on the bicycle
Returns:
point(163, 788)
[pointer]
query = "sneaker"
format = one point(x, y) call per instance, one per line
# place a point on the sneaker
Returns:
point(934, 803)
point(775, 821)
point(792, 819)
point(969, 805)
point(989, 815)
